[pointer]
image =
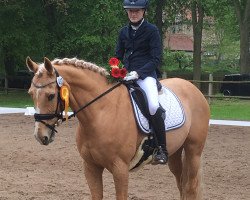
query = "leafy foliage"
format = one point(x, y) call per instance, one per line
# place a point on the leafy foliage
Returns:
point(178, 59)
point(57, 28)
point(87, 32)
point(88, 29)
point(21, 32)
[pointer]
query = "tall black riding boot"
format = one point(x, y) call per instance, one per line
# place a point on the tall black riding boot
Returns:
point(157, 120)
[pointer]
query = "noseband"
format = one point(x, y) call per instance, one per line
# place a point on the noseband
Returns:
point(59, 107)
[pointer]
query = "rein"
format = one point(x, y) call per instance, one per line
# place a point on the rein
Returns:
point(92, 101)
point(59, 116)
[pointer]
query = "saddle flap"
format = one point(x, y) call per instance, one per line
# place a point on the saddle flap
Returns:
point(175, 116)
point(140, 99)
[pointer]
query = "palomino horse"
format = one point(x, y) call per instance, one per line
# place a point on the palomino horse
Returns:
point(107, 134)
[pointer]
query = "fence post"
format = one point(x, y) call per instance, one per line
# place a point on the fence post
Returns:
point(6, 85)
point(210, 88)
point(164, 75)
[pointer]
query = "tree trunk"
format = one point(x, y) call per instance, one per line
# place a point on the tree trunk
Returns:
point(159, 23)
point(9, 66)
point(8, 61)
point(197, 22)
point(243, 15)
point(158, 16)
point(244, 50)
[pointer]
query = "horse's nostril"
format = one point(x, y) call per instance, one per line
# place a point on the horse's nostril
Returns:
point(45, 140)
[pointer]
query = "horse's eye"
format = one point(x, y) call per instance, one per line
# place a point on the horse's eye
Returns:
point(51, 96)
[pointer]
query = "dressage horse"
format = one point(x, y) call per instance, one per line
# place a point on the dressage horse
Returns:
point(107, 133)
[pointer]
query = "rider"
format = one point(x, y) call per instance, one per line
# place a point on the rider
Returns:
point(139, 47)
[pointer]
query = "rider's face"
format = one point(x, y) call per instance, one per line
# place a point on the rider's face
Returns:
point(135, 15)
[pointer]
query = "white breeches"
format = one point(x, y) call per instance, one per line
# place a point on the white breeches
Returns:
point(149, 86)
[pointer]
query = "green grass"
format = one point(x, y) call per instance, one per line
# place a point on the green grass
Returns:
point(15, 99)
point(231, 109)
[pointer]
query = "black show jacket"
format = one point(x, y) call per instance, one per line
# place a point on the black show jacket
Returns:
point(140, 50)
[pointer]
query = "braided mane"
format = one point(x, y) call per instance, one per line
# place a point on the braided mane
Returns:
point(81, 64)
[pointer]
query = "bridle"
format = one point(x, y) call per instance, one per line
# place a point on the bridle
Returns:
point(59, 107)
point(60, 103)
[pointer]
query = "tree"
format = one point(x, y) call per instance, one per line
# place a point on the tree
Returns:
point(58, 28)
point(225, 18)
point(181, 7)
point(222, 35)
point(20, 33)
point(242, 8)
point(87, 32)
point(197, 22)
point(159, 13)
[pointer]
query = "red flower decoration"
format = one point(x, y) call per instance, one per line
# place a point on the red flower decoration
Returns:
point(123, 72)
point(114, 61)
point(115, 72)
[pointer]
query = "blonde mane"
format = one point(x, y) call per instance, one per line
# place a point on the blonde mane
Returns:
point(81, 64)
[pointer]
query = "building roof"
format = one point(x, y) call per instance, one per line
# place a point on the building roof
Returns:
point(179, 42)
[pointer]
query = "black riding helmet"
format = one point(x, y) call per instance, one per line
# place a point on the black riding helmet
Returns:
point(136, 4)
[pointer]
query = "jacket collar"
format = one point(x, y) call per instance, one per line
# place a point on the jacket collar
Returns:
point(140, 28)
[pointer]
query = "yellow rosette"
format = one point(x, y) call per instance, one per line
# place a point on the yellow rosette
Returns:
point(64, 94)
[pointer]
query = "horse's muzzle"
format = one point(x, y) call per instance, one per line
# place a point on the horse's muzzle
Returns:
point(45, 140)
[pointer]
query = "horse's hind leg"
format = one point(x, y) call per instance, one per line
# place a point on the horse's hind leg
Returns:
point(191, 174)
point(93, 174)
point(175, 166)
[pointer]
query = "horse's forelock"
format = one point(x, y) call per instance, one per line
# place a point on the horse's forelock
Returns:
point(40, 70)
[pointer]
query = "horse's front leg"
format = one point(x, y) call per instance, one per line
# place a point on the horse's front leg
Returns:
point(93, 174)
point(120, 176)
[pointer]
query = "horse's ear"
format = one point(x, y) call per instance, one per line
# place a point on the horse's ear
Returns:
point(48, 65)
point(32, 66)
